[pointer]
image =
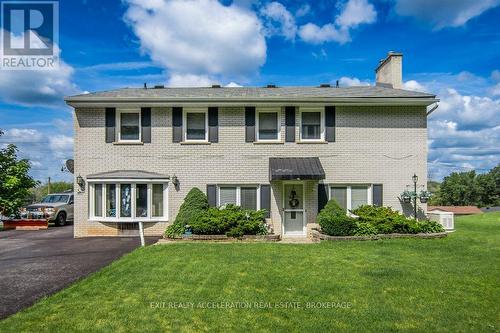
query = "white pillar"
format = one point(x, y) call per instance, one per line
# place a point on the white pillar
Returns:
point(141, 233)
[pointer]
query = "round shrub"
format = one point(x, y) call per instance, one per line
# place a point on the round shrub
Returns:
point(334, 221)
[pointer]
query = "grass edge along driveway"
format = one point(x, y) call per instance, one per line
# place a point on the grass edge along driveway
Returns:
point(449, 284)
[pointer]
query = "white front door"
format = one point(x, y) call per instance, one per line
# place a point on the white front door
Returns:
point(294, 213)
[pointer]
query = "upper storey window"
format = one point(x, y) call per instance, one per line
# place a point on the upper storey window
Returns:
point(196, 128)
point(312, 125)
point(268, 128)
point(129, 125)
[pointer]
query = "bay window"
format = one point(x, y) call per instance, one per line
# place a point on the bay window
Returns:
point(350, 197)
point(245, 196)
point(311, 124)
point(128, 201)
point(268, 126)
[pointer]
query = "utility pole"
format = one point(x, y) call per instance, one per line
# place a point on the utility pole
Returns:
point(48, 187)
point(415, 180)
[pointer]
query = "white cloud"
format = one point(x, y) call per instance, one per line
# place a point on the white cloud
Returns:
point(311, 33)
point(465, 130)
point(189, 80)
point(350, 82)
point(37, 87)
point(444, 13)
point(233, 85)
point(356, 12)
point(279, 21)
point(303, 10)
point(352, 14)
point(495, 90)
point(21, 135)
point(201, 37)
point(413, 85)
point(495, 75)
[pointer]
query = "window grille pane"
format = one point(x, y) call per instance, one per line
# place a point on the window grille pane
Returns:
point(141, 200)
point(268, 126)
point(125, 200)
point(359, 196)
point(157, 200)
point(249, 198)
point(195, 127)
point(129, 126)
point(111, 200)
point(311, 125)
point(340, 195)
point(227, 196)
point(98, 200)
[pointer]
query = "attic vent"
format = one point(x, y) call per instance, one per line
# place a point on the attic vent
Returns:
point(216, 86)
point(160, 86)
point(271, 86)
point(325, 85)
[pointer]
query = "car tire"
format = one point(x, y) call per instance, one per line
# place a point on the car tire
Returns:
point(61, 219)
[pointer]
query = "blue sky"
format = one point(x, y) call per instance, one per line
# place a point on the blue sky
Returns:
point(451, 48)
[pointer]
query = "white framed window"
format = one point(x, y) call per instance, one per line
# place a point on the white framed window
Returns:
point(196, 125)
point(351, 197)
point(245, 196)
point(129, 125)
point(312, 124)
point(128, 201)
point(268, 125)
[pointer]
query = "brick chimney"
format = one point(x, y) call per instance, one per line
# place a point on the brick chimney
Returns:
point(389, 72)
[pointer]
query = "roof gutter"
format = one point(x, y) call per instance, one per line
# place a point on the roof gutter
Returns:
point(433, 109)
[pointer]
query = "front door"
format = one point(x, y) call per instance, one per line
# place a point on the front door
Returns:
point(294, 212)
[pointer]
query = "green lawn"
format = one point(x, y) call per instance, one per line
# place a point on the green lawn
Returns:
point(450, 284)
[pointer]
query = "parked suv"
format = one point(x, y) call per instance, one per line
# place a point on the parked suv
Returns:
point(55, 207)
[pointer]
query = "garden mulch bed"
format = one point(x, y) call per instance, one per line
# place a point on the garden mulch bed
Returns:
point(316, 235)
point(223, 238)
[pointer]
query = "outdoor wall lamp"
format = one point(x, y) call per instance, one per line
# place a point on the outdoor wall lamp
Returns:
point(175, 181)
point(81, 183)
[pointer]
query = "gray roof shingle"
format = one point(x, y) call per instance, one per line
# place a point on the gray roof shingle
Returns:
point(249, 93)
point(290, 168)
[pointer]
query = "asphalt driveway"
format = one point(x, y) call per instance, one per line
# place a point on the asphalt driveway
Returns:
point(34, 264)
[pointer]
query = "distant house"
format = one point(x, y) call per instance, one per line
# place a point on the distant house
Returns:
point(457, 210)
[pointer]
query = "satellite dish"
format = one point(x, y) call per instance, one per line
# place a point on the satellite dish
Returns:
point(70, 165)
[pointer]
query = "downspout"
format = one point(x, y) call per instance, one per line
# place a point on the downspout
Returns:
point(436, 105)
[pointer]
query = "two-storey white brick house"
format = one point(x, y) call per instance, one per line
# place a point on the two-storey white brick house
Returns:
point(284, 149)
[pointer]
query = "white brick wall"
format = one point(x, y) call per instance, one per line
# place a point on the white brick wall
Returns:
point(373, 145)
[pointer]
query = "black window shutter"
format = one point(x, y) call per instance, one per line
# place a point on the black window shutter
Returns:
point(250, 124)
point(330, 123)
point(322, 196)
point(290, 124)
point(110, 125)
point(212, 195)
point(146, 124)
point(176, 124)
point(377, 195)
point(213, 124)
point(265, 199)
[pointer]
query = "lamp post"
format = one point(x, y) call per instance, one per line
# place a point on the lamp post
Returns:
point(415, 180)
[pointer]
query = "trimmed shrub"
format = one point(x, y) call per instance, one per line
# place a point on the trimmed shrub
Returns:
point(174, 230)
point(231, 220)
point(195, 203)
point(334, 221)
point(429, 227)
point(365, 229)
point(388, 221)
